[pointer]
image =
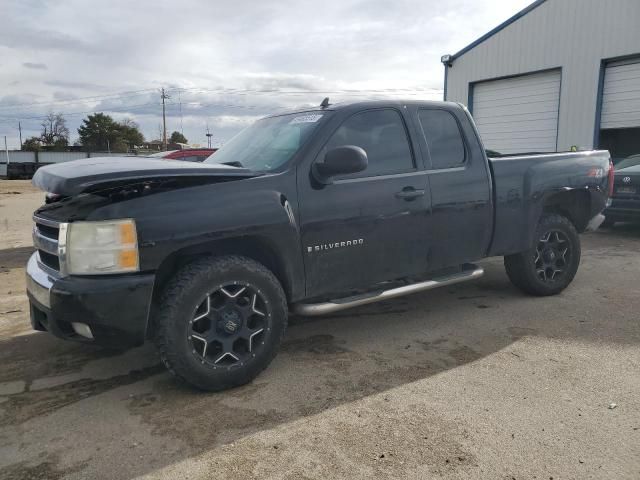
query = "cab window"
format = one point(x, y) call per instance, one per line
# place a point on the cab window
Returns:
point(380, 133)
point(443, 137)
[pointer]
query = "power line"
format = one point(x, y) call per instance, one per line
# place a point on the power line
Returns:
point(66, 114)
point(133, 93)
point(229, 91)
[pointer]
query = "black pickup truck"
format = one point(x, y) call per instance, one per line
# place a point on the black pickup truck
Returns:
point(308, 212)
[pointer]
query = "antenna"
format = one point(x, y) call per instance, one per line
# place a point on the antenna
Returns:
point(325, 102)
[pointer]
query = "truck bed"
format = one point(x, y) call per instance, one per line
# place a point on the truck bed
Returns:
point(523, 184)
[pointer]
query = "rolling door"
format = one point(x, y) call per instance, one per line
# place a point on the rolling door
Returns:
point(518, 114)
point(621, 95)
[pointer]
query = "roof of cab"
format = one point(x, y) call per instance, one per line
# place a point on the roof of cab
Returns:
point(364, 104)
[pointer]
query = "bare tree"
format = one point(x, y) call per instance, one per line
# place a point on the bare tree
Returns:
point(54, 130)
point(128, 122)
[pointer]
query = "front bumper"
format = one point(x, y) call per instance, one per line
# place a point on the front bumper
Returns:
point(115, 308)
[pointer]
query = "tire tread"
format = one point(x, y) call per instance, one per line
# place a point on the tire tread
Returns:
point(173, 294)
point(518, 266)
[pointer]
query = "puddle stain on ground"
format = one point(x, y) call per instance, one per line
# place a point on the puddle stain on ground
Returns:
point(47, 470)
point(316, 344)
point(15, 257)
point(519, 332)
point(18, 361)
point(203, 420)
point(29, 404)
point(209, 419)
point(464, 354)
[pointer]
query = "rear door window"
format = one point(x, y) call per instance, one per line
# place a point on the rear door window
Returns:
point(443, 137)
point(380, 133)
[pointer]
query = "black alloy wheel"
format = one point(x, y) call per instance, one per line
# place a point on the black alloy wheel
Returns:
point(550, 265)
point(220, 321)
point(228, 326)
point(552, 256)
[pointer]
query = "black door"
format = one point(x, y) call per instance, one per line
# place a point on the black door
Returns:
point(367, 227)
point(461, 222)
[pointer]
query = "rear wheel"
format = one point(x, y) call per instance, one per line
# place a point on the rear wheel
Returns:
point(220, 322)
point(551, 264)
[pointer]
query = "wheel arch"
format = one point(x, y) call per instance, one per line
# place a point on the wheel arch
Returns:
point(257, 248)
point(573, 204)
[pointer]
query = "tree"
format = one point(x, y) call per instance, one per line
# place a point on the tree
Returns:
point(100, 132)
point(130, 132)
point(32, 144)
point(97, 132)
point(54, 131)
point(177, 137)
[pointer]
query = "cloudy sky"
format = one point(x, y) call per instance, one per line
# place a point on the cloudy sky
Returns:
point(224, 64)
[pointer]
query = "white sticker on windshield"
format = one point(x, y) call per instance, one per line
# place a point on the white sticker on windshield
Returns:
point(312, 118)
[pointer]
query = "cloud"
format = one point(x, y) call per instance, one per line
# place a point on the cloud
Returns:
point(73, 85)
point(225, 63)
point(35, 66)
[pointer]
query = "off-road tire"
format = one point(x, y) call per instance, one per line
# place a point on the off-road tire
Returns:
point(179, 302)
point(522, 269)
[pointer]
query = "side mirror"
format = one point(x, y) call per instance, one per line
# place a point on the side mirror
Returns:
point(340, 161)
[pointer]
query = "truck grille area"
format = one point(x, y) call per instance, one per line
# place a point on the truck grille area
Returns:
point(45, 239)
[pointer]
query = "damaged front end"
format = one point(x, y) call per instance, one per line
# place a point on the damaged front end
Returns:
point(129, 174)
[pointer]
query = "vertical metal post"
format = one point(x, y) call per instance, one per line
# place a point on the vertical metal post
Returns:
point(6, 149)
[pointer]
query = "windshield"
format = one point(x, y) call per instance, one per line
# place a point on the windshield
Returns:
point(631, 161)
point(269, 143)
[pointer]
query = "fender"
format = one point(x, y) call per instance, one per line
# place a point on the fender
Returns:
point(167, 222)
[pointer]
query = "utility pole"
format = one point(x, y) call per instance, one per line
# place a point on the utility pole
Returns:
point(181, 125)
point(6, 149)
point(20, 130)
point(209, 135)
point(163, 96)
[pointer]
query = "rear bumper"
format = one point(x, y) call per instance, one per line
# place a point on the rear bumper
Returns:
point(623, 209)
point(115, 308)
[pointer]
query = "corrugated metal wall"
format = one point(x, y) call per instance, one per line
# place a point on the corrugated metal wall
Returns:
point(572, 34)
point(56, 157)
point(17, 156)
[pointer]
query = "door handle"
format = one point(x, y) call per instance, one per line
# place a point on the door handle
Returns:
point(409, 193)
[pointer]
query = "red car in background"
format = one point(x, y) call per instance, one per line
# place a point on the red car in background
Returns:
point(187, 155)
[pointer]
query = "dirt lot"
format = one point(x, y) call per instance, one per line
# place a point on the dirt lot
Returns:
point(476, 381)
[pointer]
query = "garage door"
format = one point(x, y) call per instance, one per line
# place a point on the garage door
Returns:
point(518, 114)
point(621, 95)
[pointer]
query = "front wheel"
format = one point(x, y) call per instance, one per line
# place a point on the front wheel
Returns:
point(220, 322)
point(550, 266)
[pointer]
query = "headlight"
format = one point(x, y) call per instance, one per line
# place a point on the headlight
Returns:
point(95, 248)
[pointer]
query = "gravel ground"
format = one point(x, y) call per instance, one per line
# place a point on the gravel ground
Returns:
point(472, 381)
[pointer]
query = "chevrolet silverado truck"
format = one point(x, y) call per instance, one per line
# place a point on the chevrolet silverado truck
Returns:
point(308, 212)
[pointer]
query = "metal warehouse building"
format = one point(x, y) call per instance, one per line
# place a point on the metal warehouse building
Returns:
point(559, 74)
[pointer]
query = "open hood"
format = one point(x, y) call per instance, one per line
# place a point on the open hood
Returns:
point(78, 176)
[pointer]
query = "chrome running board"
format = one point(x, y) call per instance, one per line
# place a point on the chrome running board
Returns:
point(312, 309)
